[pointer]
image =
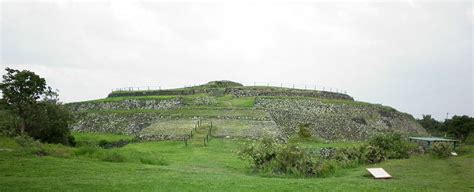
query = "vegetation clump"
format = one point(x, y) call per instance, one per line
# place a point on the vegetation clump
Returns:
point(304, 131)
point(272, 157)
point(392, 144)
point(441, 150)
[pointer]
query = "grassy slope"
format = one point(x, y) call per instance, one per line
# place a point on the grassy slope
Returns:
point(216, 167)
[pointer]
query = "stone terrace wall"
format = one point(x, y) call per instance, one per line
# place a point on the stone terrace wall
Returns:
point(130, 124)
point(127, 105)
point(338, 121)
point(237, 91)
point(278, 92)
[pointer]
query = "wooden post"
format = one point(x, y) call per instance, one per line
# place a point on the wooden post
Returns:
point(204, 141)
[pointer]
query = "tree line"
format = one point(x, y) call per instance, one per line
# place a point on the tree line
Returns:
point(459, 127)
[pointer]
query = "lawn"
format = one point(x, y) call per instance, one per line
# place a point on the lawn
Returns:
point(215, 167)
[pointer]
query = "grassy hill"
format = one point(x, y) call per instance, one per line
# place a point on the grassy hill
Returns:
point(239, 111)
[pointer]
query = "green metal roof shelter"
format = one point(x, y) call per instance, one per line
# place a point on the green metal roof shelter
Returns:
point(430, 140)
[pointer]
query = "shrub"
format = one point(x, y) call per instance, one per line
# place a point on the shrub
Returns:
point(9, 121)
point(259, 154)
point(57, 150)
point(269, 156)
point(304, 131)
point(349, 157)
point(392, 144)
point(290, 159)
point(26, 141)
point(374, 154)
point(50, 124)
point(441, 150)
point(324, 168)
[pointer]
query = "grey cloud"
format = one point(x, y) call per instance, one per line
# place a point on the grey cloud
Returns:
point(416, 58)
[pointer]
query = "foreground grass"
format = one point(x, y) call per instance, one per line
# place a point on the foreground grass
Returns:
point(215, 167)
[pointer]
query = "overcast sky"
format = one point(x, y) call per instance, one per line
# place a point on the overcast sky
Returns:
point(414, 56)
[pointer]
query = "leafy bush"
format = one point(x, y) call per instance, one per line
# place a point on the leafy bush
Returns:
point(324, 168)
point(441, 150)
point(9, 121)
point(350, 157)
point(50, 124)
point(57, 150)
point(392, 144)
point(267, 155)
point(26, 141)
point(304, 131)
point(374, 154)
point(260, 154)
point(290, 159)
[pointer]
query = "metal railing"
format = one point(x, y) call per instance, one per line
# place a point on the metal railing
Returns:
point(315, 87)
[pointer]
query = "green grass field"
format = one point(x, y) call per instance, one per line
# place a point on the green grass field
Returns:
point(170, 166)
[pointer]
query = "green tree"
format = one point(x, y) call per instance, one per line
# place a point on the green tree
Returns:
point(460, 126)
point(21, 90)
point(431, 125)
point(36, 106)
point(49, 123)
